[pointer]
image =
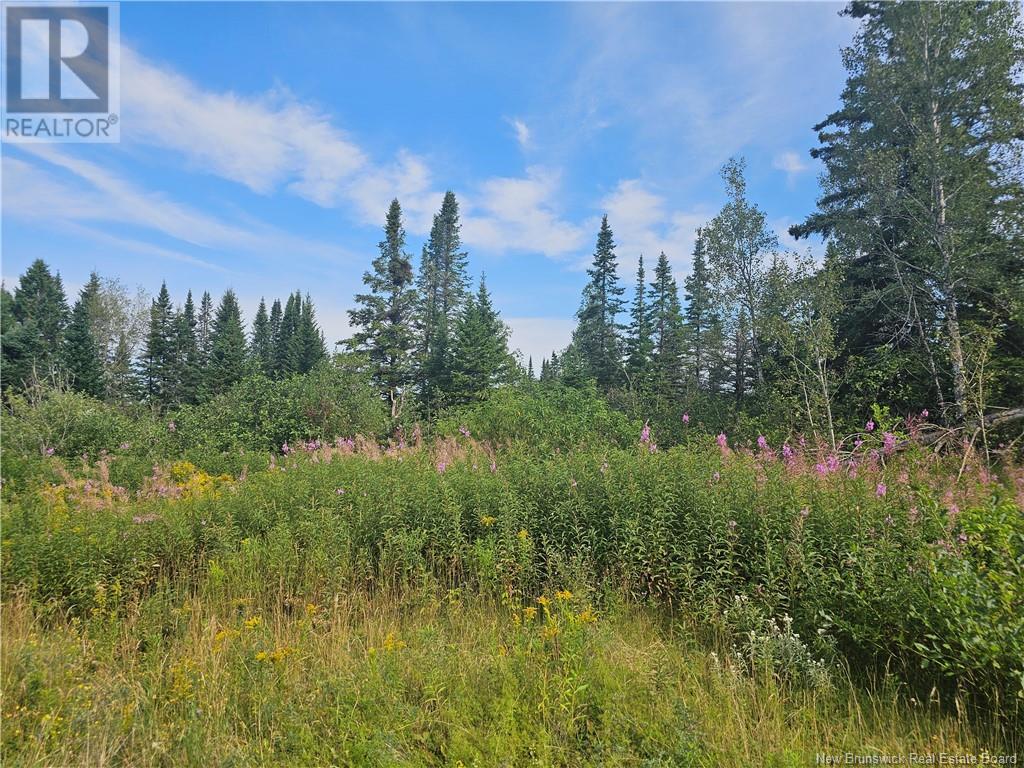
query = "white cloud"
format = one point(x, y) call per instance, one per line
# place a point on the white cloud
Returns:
point(518, 214)
point(523, 135)
point(642, 224)
point(538, 337)
point(790, 163)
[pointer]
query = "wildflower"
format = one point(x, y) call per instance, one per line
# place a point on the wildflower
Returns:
point(523, 535)
point(889, 520)
point(924, 414)
point(805, 513)
point(762, 442)
point(888, 443)
point(717, 476)
point(441, 467)
point(494, 467)
point(832, 462)
point(962, 538)
point(529, 613)
point(125, 446)
point(391, 643)
point(285, 448)
point(858, 443)
point(880, 490)
point(311, 608)
point(253, 622)
point(48, 451)
point(686, 418)
point(563, 595)
point(645, 434)
point(723, 441)
point(543, 600)
point(463, 431)
point(340, 491)
point(586, 616)
point(913, 514)
point(732, 525)
point(787, 452)
point(870, 426)
point(488, 521)
point(261, 656)
point(172, 427)
point(550, 631)
point(141, 519)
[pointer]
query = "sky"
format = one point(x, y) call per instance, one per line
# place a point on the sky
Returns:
point(262, 142)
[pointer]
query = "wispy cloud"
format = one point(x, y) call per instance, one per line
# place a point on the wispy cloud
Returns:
point(523, 134)
point(791, 163)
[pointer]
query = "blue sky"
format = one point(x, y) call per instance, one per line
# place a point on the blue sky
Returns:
point(261, 144)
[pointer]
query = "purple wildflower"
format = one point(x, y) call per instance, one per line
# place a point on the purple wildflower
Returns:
point(762, 442)
point(686, 418)
point(464, 431)
point(723, 441)
point(870, 426)
point(880, 490)
point(888, 443)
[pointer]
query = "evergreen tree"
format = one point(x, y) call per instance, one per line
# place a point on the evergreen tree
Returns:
point(276, 314)
point(639, 345)
point(261, 347)
point(158, 358)
point(666, 328)
point(597, 337)
point(227, 346)
point(32, 344)
point(529, 368)
point(480, 355)
point(188, 367)
point(442, 290)
point(308, 341)
point(81, 353)
point(923, 188)
point(702, 320)
point(285, 349)
point(123, 385)
point(385, 315)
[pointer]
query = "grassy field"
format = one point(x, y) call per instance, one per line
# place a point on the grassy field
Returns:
point(456, 605)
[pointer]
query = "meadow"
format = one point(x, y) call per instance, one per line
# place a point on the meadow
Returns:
point(469, 598)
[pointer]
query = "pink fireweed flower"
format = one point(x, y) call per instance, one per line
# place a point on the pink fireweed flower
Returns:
point(858, 443)
point(888, 443)
point(645, 434)
point(686, 418)
point(762, 442)
point(441, 467)
point(913, 514)
point(340, 491)
point(48, 451)
point(787, 452)
point(494, 467)
point(832, 462)
point(880, 490)
point(723, 441)
point(463, 431)
point(870, 426)
point(962, 538)
point(924, 414)
point(821, 469)
point(285, 448)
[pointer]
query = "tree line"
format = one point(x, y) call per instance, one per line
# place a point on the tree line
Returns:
point(918, 299)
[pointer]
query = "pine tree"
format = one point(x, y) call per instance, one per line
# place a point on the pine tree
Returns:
point(158, 359)
point(442, 291)
point(386, 314)
point(480, 355)
point(123, 385)
point(261, 347)
point(227, 346)
point(276, 314)
point(639, 346)
point(597, 337)
point(666, 329)
point(188, 368)
point(32, 344)
point(81, 357)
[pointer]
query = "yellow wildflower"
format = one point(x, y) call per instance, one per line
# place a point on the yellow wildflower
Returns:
point(543, 600)
point(550, 631)
point(261, 656)
point(488, 521)
point(563, 595)
point(523, 535)
point(529, 613)
point(311, 608)
point(393, 644)
point(253, 622)
point(586, 616)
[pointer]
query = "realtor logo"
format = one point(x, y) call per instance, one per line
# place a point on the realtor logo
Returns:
point(62, 73)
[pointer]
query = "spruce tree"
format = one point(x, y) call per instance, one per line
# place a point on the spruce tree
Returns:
point(308, 341)
point(701, 316)
point(123, 384)
point(666, 329)
point(158, 358)
point(597, 337)
point(227, 346)
point(638, 342)
point(442, 290)
point(386, 313)
point(285, 348)
point(261, 346)
point(275, 336)
point(33, 343)
point(81, 357)
point(480, 355)
point(188, 366)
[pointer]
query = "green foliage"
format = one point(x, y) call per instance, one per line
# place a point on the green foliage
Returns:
point(598, 337)
point(544, 417)
point(81, 354)
point(480, 356)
